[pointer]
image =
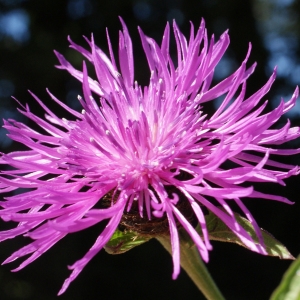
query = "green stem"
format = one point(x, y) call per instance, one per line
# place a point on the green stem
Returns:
point(192, 263)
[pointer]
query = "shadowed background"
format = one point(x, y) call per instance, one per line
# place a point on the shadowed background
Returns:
point(30, 30)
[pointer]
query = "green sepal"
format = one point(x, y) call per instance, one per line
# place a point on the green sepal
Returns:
point(289, 288)
point(123, 241)
point(218, 231)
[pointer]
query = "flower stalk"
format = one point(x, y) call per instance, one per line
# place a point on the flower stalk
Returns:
point(192, 263)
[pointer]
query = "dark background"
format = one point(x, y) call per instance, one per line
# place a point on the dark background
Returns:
point(30, 30)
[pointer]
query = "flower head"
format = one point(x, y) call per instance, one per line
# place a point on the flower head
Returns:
point(149, 148)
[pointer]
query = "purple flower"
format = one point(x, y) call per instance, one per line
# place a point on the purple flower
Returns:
point(149, 148)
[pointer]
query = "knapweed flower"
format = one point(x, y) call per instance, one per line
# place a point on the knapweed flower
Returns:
point(146, 149)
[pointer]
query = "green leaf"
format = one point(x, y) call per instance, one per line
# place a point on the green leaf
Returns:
point(289, 288)
point(218, 231)
point(121, 242)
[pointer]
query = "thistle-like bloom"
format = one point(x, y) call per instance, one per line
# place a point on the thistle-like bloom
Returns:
point(149, 148)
